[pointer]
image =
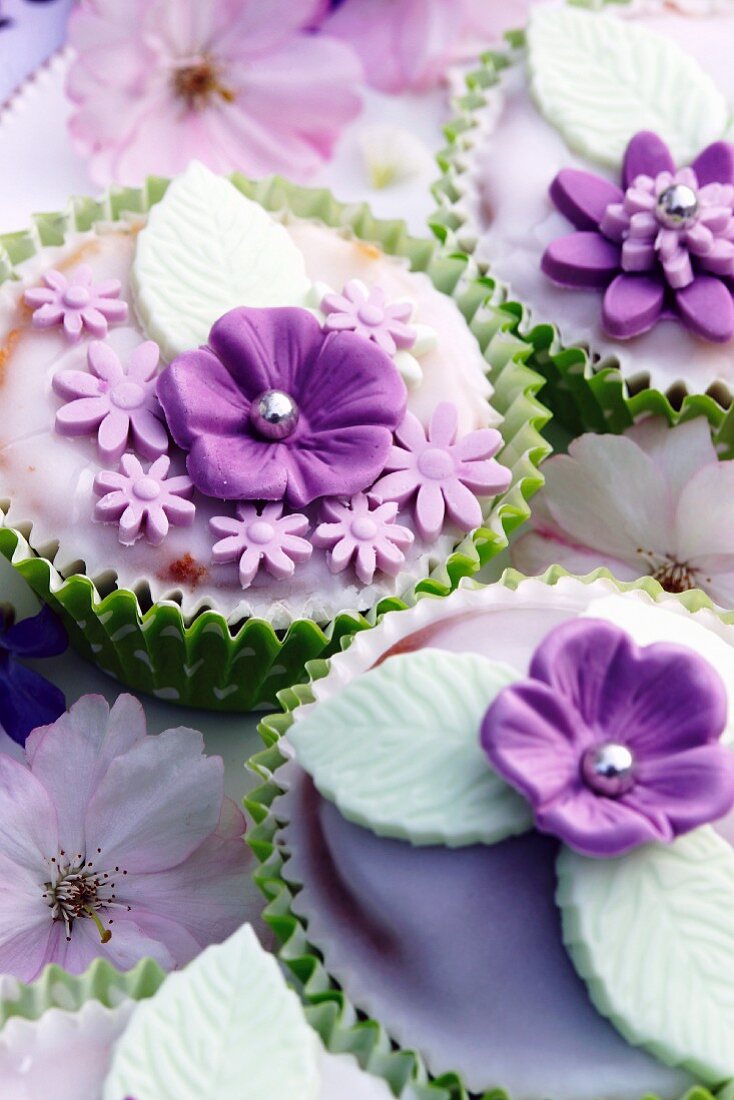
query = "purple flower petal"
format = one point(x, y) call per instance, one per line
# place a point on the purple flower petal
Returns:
point(632, 305)
point(104, 362)
point(364, 387)
point(40, 635)
point(583, 198)
point(199, 395)
point(27, 700)
point(71, 384)
point(112, 436)
point(237, 468)
point(461, 505)
point(715, 164)
point(336, 462)
point(81, 417)
point(646, 155)
point(586, 822)
point(688, 787)
point(149, 433)
point(267, 349)
point(430, 510)
point(94, 321)
point(707, 309)
point(582, 260)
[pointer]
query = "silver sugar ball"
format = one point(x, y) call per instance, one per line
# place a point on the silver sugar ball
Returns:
point(274, 414)
point(677, 206)
point(608, 769)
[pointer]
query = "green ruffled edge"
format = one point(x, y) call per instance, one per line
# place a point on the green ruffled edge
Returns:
point(206, 663)
point(55, 988)
point(327, 1006)
point(584, 394)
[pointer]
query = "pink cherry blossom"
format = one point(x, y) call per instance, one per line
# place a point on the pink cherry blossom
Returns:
point(410, 43)
point(239, 86)
point(144, 502)
point(115, 843)
point(653, 501)
point(116, 401)
point(365, 532)
point(443, 474)
point(366, 311)
point(76, 303)
point(268, 539)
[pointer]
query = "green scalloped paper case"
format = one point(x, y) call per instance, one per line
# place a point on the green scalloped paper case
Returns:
point(327, 1007)
point(583, 395)
point(55, 988)
point(207, 663)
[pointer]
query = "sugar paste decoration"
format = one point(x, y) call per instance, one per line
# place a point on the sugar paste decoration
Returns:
point(599, 79)
point(114, 400)
point(660, 246)
point(232, 1003)
point(76, 303)
point(652, 936)
point(440, 475)
point(363, 532)
point(144, 502)
point(397, 751)
point(613, 745)
point(274, 408)
point(205, 250)
point(261, 539)
point(366, 311)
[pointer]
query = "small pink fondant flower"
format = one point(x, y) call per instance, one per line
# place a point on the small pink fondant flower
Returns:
point(238, 85)
point(365, 310)
point(76, 303)
point(115, 843)
point(144, 502)
point(365, 532)
point(267, 539)
point(444, 475)
point(119, 401)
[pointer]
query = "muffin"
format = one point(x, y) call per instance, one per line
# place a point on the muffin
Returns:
point(477, 832)
point(218, 396)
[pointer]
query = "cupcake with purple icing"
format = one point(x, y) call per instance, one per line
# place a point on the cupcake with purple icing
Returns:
point(241, 422)
point(499, 828)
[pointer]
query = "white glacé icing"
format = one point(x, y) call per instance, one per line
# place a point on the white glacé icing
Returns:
point(511, 159)
point(46, 480)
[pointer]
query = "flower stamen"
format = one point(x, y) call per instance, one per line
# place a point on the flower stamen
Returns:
point(672, 575)
point(197, 81)
point(80, 892)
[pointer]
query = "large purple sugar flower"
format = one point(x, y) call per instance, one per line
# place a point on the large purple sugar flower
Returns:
point(613, 745)
point(274, 408)
point(660, 247)
point(27, 699)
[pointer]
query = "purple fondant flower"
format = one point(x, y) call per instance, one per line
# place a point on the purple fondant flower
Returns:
point(364, 532)
point(366, 311)
point(660, 247)
point(144, 502)
point(443, 474)
point(76, 303)
point(27, 699)
point(613, 745)
point(268, 539)
point(115, 843)
point(274, 408)
point(116, 401)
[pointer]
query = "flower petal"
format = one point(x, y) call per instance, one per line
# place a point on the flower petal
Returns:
point(27, 700)
point(337, 462)
point(706, 308)
point(632, 305)
point(199, 396)
point(430, 511)
point(600, 827)
point(149, 433)
point(462, 506)
point(81, 417)
point(156, 803)
point(443, 424)
point(690, 788)
point(646, 155)
point(582, 260)
point(238, 468)
point(71, 384)
point(112, 436)
point(350, 382)
point(583, 197)
point(715, 164)
point(396, 486)
point(40, 635)
point(25, 921)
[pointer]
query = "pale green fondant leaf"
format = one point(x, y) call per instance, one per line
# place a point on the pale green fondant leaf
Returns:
point(227, 1027)
point(652, 935)
point(600, 79)
point(205, 250)
point(398, 751)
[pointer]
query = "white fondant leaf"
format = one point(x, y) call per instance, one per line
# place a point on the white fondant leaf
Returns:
point(599, 80)
point(227, 1027)
point(205, 250)
point(652, 935)
point(398, 751)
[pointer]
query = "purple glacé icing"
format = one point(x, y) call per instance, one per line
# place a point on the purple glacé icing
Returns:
point(661, 246)
point(363, 531)
point(266, 539)
point(347, 395)
point(76, 303)
point(441, 474)
point(115, 401)
point(613, 745)
point(367, 312)
point(144, 502)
